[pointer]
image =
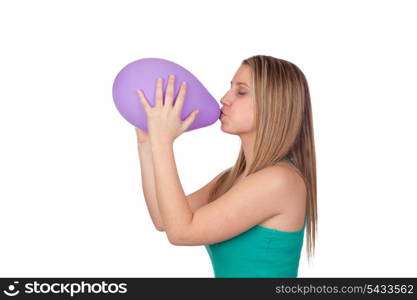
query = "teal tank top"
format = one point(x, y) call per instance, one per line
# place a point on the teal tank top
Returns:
point(258, 252)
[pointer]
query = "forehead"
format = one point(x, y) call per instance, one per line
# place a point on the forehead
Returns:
point(243, 74)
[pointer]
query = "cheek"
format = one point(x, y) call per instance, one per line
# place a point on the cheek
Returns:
point(245, 116)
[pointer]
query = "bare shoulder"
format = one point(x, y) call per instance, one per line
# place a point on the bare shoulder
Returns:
point(282, 175)
point(289, 174)
point(290, 183)
point(283, 182)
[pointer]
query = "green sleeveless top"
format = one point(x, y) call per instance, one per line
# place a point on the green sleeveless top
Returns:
point(258, 252)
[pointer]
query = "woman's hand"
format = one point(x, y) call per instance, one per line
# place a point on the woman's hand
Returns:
point(164, 119)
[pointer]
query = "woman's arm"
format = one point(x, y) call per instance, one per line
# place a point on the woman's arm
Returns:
point(173, 206)
point(196, 199)
point(148, 184)
point(257, 197)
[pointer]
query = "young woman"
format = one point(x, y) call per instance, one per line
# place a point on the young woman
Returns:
point(252, 216)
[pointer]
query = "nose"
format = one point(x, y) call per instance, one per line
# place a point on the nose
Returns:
point(224, 100)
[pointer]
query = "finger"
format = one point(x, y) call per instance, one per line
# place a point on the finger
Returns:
point(158, 93)
point(138, 130)
point(179, 103)
point(142, 98)
point(189, 120)
point(169, 94)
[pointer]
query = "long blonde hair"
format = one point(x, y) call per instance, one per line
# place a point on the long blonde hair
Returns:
point(284, 127)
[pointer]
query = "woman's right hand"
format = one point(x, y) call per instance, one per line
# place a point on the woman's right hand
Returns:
point(142, 136)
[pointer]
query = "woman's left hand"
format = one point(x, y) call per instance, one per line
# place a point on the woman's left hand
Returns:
point(164, 119)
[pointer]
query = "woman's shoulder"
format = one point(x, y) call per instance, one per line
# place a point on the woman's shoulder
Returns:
point(290, 172)
point(288, 180)
point(285, 188)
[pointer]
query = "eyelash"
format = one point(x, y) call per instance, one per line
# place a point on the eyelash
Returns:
point(241, 93)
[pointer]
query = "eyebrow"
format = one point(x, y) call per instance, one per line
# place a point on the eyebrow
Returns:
point(239, 82)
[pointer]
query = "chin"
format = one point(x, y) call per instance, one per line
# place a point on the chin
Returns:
point(226, 131)
point(222, 128)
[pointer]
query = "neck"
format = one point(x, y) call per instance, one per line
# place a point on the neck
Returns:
point(248, 141)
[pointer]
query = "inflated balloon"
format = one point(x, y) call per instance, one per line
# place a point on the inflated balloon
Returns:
point(143, 74)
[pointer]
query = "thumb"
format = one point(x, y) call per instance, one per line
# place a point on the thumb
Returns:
point(190, 119)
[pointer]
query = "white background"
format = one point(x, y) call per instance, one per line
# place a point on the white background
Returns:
point(71, 200)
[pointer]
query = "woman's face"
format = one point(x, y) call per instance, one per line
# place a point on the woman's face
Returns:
point(238, 104)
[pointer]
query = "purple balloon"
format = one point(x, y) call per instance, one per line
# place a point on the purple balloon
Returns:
point(143, 74)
